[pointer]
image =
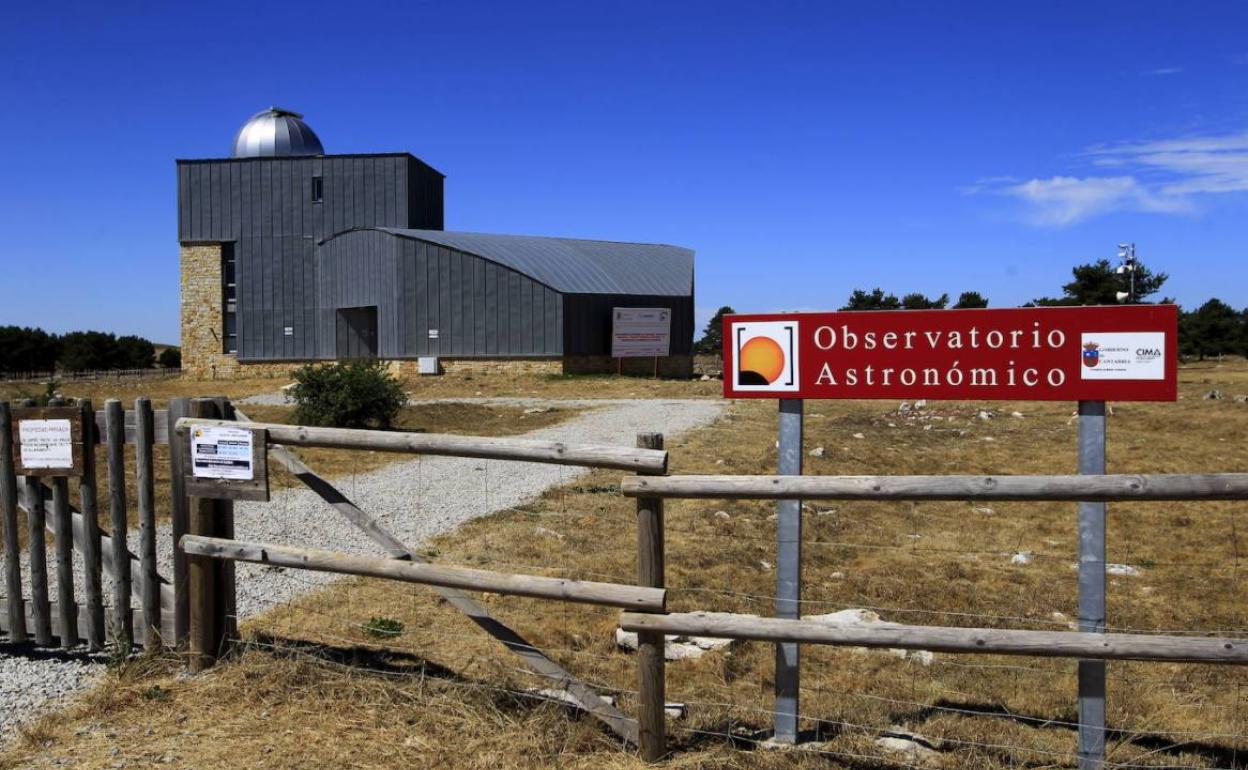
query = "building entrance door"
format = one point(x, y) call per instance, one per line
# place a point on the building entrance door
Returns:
point(357, 332)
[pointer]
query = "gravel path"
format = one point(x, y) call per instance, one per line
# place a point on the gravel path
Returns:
point(416, 500)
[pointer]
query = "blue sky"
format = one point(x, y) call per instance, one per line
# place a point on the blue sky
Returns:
point(803, 149)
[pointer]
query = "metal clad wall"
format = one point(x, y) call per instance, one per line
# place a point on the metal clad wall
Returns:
point(359, 271)
point(265, 206)
point(588, 318)
point(479, 308)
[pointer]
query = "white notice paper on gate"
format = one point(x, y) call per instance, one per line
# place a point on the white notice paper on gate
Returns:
point(221, 453)
point(641, 332)
point(46, 443)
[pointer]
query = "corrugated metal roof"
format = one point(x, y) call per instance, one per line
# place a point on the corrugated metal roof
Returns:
point(575, 266)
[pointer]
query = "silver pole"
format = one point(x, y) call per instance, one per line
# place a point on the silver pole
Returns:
point(788, 573)
point(1091, 588)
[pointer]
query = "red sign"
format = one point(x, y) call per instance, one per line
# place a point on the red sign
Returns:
point(1123, 353)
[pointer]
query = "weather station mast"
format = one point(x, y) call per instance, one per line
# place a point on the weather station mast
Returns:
point(1126, 253)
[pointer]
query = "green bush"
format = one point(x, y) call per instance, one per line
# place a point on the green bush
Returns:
point(349, 394)
point(135, 353)
point(383, 628)
point(170, 358)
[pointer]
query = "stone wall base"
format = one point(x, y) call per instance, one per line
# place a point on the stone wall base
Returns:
point(411, 368)
point(680, 367)
point(223, 366)
point(227, 367)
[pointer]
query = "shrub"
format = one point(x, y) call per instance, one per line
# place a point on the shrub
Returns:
point(90, 350)
point(135, 353)
point(349, 394)
point(170, 358)
point(27, 350)
point(383, 628)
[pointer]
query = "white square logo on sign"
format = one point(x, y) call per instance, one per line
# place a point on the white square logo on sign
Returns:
point(764, 356)
point(1122, 356)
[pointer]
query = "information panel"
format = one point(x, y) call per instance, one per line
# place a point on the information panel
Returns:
point(48, 440)
point(225, 462)
point(641, 332)
point(46, 444)
point(222, 453)
point(1125, 353)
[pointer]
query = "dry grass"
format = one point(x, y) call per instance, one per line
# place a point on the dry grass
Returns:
point(312, 688)
point(453, 385)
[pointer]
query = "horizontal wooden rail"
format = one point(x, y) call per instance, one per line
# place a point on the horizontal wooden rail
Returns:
point(988, 641)
point(110, 625)
point(160, 423)
point(556, 452)
point(585, 592)
point(1222, 486)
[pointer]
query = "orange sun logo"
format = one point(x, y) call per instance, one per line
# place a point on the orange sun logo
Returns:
point(761, 362)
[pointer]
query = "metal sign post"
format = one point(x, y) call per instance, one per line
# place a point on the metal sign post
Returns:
point(1085, 354)
point(1091, 588)
point(788, 572)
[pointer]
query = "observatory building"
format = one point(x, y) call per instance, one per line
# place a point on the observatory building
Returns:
point(292, 255)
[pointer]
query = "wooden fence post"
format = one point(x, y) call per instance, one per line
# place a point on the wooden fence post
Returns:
point(208, 592)
point(36, 547)
point(89, 502)
point(226, 410)
point(651, 689)
point(115, 435)
point(63, 534)
point(144, 438)
point(8, 506)
point(179, 513)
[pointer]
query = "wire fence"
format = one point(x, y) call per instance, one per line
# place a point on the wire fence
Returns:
point(860, 708)
point(94, 374)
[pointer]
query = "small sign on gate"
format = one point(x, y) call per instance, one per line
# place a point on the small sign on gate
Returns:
point(227, 461)
point(48, 441)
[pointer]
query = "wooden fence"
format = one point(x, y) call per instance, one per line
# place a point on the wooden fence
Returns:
point(198, 605)
point(92, 374)
point(211, 550)
point(92, 618)
point(651, 491)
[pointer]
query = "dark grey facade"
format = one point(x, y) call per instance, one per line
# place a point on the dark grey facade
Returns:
point(335, 256)
point(435, 301)
point(266, 208)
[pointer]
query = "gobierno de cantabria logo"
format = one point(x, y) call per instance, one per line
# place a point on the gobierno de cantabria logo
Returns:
point(765, 356)
point(1091, 354)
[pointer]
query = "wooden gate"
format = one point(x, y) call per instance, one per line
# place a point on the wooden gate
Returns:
point(55, 605)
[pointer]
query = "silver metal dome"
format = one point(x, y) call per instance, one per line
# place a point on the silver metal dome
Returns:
point(275, 133)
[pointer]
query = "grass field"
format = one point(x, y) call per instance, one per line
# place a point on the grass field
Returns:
point(312, 688)
point(453, 385)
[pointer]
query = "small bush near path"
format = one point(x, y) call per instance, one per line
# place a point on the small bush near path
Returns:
point(350, 394)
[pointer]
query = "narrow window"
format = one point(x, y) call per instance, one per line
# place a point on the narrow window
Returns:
point(318, 189)
point(229, 300)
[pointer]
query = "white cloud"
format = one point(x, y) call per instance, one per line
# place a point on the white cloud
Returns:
point(1165, 71)
point(1163, 176)
point(1065, 200)
point(1199, 164)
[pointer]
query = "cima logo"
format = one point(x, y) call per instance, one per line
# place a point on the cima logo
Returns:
point(1091, 354)
point(765, 356)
